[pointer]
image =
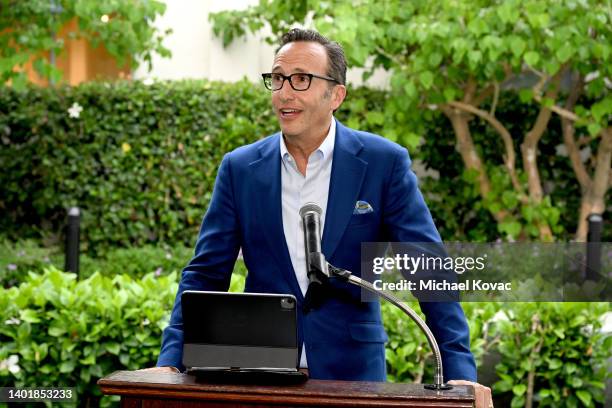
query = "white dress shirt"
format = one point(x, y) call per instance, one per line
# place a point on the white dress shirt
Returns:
point(298, 190)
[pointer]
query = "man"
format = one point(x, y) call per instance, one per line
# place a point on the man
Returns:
point(255, 206)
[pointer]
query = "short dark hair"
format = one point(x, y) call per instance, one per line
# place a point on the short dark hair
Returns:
point(335, 54)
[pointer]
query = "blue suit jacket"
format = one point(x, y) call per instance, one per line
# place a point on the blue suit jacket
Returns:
point(344, 338)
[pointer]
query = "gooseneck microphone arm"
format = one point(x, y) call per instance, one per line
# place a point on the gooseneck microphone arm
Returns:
point(317, 265)
point(355, 280)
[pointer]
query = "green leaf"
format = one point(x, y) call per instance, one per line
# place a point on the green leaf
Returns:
point(435, 58)
point(564, 53)
point(124, 358)
point(594, 129)
point(585, 397)
point(29, 316)
point(517, 46)
point(67, 367)
point(544, 393)
point(599, 109)
point(576, 382)
point(526, 95)
point(551, 66)
point(56, 331)
point(410, 89)
point(532, 58)
point(511, 228)
point(449, 94)
point(519, 389)
point(113, 348)
point(474, 57)
point(555, 364)
point(426, 78)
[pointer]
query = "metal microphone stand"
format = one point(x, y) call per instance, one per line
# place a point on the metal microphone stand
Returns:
point(315, 263)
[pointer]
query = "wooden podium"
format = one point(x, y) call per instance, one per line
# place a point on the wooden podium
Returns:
point(141, 389)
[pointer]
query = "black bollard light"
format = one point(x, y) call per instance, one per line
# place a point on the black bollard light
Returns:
point(72, 240)
point(593, 254)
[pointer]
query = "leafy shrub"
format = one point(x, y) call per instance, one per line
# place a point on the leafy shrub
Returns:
point(139, 160)
point(70, 333)
point(560, 344)
point(554, 353)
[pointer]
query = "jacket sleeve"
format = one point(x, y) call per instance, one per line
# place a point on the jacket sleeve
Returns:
point(211, 268)
point(407, 219)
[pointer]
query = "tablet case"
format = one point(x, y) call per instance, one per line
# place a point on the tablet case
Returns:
point(241, 337)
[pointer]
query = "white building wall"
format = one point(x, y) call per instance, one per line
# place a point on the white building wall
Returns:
point(197, 53)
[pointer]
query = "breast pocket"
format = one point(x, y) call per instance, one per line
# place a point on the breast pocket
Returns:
point(363, 219)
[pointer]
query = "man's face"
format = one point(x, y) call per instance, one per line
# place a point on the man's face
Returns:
point(305, 115)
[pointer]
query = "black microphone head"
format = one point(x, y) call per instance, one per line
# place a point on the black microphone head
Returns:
point(308, 207)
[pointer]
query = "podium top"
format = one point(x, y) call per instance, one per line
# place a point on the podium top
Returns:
point(182, 387)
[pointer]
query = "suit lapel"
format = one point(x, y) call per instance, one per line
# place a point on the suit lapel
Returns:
point(266, 172)
point(348, 172)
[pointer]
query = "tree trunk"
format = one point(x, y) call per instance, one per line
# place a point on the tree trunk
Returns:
point(593, 189)
point(593, 199)
point(529, 149)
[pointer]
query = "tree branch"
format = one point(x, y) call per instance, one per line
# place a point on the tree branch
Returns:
point(469, 154)
point(470, 90)
point(509, 157)
point(480, 98)
point(537, 92)
point(529, 147)
point(495, 99)
point(564, 113)
point(393, 58)
point(568, 129)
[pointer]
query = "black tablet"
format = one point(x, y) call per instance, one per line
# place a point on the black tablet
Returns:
point(239, 332)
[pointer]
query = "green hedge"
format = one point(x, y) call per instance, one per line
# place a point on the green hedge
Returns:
point(70, 333)
point(141, 160)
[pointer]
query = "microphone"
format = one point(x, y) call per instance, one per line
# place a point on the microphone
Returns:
point(316, 265)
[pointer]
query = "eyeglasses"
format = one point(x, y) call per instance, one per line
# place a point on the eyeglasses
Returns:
point(298, 81)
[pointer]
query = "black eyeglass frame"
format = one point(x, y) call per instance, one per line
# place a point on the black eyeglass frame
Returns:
point(288, 78)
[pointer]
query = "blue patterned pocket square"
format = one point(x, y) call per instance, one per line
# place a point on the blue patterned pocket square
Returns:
point(362, 207)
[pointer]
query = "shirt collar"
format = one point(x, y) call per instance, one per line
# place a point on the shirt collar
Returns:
point(326, 148)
